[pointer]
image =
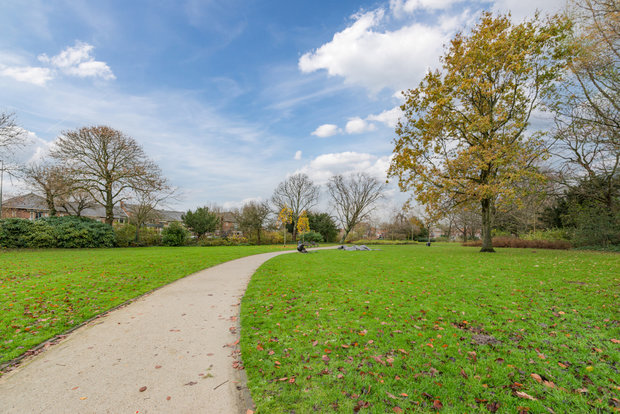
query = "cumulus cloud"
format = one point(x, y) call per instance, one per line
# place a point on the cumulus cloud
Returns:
point(358, 126)
point(73, 61)
point(297, 155)
point(364, 54)
point(79, 61)
point(326, 130)
point(28, 74)
point(325, 166)
point(389, 117)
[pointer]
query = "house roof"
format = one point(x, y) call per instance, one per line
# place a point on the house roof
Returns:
point(29, 201)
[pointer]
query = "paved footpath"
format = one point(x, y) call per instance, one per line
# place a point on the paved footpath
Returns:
point(171, 351)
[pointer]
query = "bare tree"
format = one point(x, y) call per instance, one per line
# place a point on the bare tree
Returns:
point(588, 110)
point(76, 201)
point(107, 164)
point(353, 198)
point(144, 209)
point(252, 217)
point(298, 193)
point(11, 136)
point(51, 181)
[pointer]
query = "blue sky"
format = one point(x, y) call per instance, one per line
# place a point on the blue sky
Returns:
point(229, 97)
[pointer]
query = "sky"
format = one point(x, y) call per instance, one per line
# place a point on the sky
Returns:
point(230, 97)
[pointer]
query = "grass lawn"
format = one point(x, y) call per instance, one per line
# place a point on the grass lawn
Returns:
point(45, 292)
point(412, 328)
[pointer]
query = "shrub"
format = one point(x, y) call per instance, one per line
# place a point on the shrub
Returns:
point(79, 232)
point(274, 237)
point(63, 232)
point(125, 234)
point(549, 234)
point(524, 244)
point(312, 236)
point(236, 240)
point(214, 241)
point(15, 232)
point(175, 235)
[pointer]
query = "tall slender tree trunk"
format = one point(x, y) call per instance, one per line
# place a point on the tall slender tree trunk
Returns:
point(487, 241)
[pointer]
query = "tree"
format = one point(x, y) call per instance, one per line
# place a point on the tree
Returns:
point(144, 209)
point(353, 198)
point(303, 226)
point(298, 193)
point(11, 136)
point(285, 217)
point(52, 181)
point(463, 134)
point(324, 224)
point(107, 164)
point(252, 217)
point(588, 109)
point(76, 201)
point(201, 221)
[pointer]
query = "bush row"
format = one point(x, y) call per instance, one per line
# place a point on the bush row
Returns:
point(59, 232)
point(503, 241)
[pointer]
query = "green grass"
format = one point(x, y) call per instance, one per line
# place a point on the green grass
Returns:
point(414, 328)
point(46, 292)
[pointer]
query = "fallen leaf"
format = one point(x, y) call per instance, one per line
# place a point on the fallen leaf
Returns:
point(157, 366)
point(397, 410)
point(537, 378)
point(168, 398)
point(549, 384)
point(464, 374)
point(493, 407)
point(142, 389)
point(615, 341)
point(83, 398)
point(437, 405)
point(521, 394)
point(74, 388)
point(189, 383)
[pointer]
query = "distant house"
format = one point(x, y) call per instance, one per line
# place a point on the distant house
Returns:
point(228, 225)
point(32, 207)
point(29, 206)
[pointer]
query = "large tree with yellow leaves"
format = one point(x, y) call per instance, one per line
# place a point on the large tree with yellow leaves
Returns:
point(464, 134)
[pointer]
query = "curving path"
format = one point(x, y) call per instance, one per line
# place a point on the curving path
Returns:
point(172, 351)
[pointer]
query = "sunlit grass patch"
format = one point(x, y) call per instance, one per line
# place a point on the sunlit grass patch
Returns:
point(414, 328)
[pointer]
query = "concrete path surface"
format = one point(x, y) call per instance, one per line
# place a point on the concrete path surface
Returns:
point(171, 351)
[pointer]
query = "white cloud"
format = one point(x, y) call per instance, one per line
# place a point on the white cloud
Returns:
point(326, 130)
point(325, 166)
point(28, 74)
point(358, 126)
point(364, 55)
point(388, 117)
point(297, 155)
point(78, 61)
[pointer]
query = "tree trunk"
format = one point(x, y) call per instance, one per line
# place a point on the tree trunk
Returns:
point(109, 211)
point(487, 241)
point(258, 236)
point(50, 205)
point(344, 236)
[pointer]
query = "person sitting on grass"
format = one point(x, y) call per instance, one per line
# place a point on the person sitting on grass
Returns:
point(301, 248)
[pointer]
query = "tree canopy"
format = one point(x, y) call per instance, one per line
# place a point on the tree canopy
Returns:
point(463, 134)
point(107, 164)
point(201, 221)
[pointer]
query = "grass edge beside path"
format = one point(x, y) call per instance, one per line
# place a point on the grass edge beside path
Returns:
point(47, 293)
